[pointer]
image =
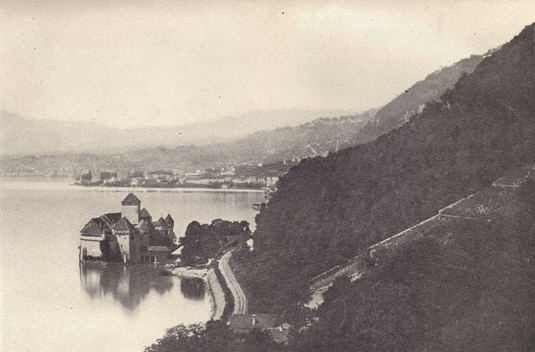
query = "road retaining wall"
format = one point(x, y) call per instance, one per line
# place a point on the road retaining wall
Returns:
point(497, 200)
point(216, 292)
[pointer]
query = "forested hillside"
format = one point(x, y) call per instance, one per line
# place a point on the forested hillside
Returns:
point(327, 209)
point(310, 139)
point(465, 287)
point(412, 101)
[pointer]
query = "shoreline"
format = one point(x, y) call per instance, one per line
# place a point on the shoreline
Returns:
point(217, 296)
point(168, 190)
point(212, 299)
point(213, 287)
point(190, 273)
point(17, 184)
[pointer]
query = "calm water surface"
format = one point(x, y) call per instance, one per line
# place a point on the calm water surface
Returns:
point(51, 303)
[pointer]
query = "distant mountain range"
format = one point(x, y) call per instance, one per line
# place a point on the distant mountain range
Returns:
point(309, 139)
point(266, 137)
point(21, 136)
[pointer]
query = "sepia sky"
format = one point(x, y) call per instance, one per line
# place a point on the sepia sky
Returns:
point(133, 63)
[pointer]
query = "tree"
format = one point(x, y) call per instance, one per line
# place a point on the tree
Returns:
point(213, 336)
point(202, 242)
point(191, 242)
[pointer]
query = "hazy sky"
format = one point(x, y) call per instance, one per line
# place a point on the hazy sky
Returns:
point(155, 63)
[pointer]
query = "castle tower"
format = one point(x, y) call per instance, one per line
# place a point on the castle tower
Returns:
point(144, 228)
point(145, 215)
point(170, 226)
point(131, 207)
point(129, 241)
point(161, 226)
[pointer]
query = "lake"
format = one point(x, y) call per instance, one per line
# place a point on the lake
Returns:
point(49, 302)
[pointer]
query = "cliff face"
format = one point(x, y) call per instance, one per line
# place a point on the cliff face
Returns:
point(327, 209)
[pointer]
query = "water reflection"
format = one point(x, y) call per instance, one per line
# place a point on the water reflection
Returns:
point(128, 285)
point(192, 288)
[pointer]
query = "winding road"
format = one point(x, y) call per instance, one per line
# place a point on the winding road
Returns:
point(240, 301)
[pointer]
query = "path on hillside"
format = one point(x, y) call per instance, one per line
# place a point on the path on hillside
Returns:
point(240, 301)
point(352, 269)
point(475, 207)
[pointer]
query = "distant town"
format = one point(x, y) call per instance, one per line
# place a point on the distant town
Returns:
point(246, 176)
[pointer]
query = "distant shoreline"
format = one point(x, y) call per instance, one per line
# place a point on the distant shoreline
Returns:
point(170, 189)
point(66, 183)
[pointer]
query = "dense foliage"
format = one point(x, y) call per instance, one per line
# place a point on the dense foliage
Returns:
point(471, 289)
point(202, 242)
point(397, 112)
point(214, 336)
point(469, 286)
point(327, 209)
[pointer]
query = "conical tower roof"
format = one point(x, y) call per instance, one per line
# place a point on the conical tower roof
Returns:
point(160, 222)
point(124, 227)
point(131, 199)
point(169, 219)
point(144, 213)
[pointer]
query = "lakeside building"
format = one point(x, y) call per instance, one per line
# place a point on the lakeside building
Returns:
point(129, 236)
point(244, 323)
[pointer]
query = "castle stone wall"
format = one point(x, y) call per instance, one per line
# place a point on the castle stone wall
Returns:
point(90, 248)
point(131, 212)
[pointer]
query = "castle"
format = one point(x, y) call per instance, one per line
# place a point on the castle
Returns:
point(129, 236)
